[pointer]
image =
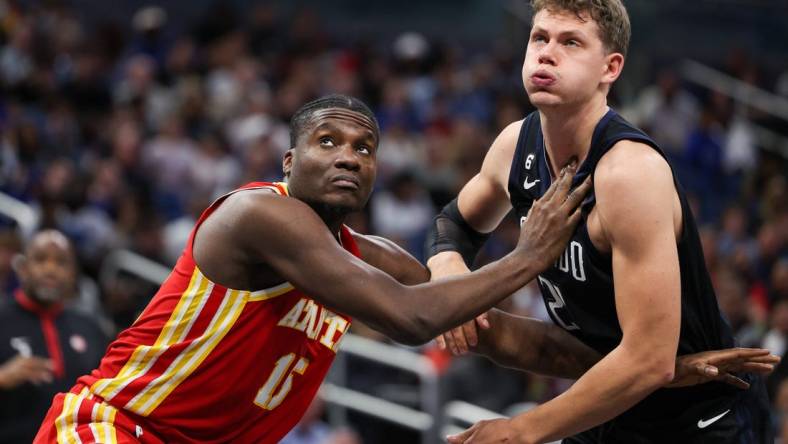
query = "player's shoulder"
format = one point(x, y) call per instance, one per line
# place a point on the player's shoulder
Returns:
point(509, 135)
point(630, 163)
point(261, 202)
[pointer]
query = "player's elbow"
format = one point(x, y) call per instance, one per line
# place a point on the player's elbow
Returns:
point(659, 371)
point(406, 328)
point(416, 331)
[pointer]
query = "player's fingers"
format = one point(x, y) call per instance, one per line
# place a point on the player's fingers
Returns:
point(574, 219)
point(577, 195)
point(551, 189)
point(483, 321)
point(459, 340)
point(735, 381)
point(737, 355)
point(559, 182)
point(450, 343)
point(767, 359)
point(461, 437)
point(441, 342)
point(706, 370)
point(469, 331)
point(565, 181)
point(756, 367)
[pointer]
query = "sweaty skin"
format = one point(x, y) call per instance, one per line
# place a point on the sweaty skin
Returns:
point(256, 239)
point(567, 74)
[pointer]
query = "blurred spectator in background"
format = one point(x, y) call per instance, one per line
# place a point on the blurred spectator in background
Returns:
point(119, 131)
point(667, 111)
point(402, 211)
point(10, 246)
point(44, 344)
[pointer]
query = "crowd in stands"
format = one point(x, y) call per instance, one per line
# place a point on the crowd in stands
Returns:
point(120, 140)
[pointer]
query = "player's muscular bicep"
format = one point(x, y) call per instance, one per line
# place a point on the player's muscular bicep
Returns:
point(286, 235)
point(484, 200)
point(389, 257)
point(635, 195)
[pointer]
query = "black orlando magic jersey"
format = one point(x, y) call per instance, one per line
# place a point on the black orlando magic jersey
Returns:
point(579, 294)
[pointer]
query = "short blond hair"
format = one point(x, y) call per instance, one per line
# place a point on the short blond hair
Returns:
point(610, 16)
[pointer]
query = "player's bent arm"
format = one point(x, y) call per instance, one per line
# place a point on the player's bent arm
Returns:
point(297, 245)
point(483, 202)
point(387, 256)
point(286, 235)
point(535, 346)
point(635, 205)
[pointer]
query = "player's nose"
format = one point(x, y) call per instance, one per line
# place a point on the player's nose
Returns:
point(347, 158)
point(546, 55)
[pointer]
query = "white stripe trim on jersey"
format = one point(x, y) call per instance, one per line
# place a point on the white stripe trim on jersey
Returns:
point(271, 292)
point(133, 371)
point(160, 387)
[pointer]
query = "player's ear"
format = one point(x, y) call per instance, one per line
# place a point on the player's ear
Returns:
point(18, 264)
point(287, 162)
point(614, 64)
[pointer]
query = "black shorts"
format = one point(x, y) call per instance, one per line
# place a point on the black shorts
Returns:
point(745, 419)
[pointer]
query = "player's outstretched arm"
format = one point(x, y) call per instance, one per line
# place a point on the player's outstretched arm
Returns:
point(542, 347)
point(288, 236)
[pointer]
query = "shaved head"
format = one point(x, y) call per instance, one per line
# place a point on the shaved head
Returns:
point(48, 269)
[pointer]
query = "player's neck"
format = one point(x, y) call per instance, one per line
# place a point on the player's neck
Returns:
point(333, 217)
point(568, 131)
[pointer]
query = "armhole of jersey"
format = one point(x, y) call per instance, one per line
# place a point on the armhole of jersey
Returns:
point(277, 188)
point(514, 171)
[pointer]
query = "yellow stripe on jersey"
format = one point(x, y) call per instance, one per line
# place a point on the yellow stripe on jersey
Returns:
point(102, 423)
point(96, 427)
point(157, 390)
point(269, 293)
point(63, 420)
point(175, 330)
point(66, 423)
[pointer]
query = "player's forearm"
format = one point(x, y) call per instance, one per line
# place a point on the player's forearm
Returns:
point(448, 302)
point(613, 385)
point(535, 346)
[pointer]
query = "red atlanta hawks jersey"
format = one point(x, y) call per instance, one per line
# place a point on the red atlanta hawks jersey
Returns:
point(205, 363)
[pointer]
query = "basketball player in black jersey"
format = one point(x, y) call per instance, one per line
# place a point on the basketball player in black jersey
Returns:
point(631, 284)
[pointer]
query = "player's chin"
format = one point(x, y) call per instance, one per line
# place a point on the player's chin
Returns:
point(542, 98)
point(346, 201)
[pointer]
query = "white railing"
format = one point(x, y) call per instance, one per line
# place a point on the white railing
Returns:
point(424, 420)
point(23, 214)
point(459, 415)
point(745, 94)
point(133, 263)
point(734, 88)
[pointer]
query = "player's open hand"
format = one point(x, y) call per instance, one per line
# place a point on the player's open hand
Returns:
point(720, 365)
point(552, 219)
point(491, 431)
point(463, 338)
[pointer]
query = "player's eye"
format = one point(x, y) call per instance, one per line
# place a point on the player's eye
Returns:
point(572, 42)
point(538, 38)
point(326, 141)
point(363, 149)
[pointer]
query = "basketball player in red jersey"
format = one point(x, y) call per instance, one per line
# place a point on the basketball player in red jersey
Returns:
point(236, 342)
